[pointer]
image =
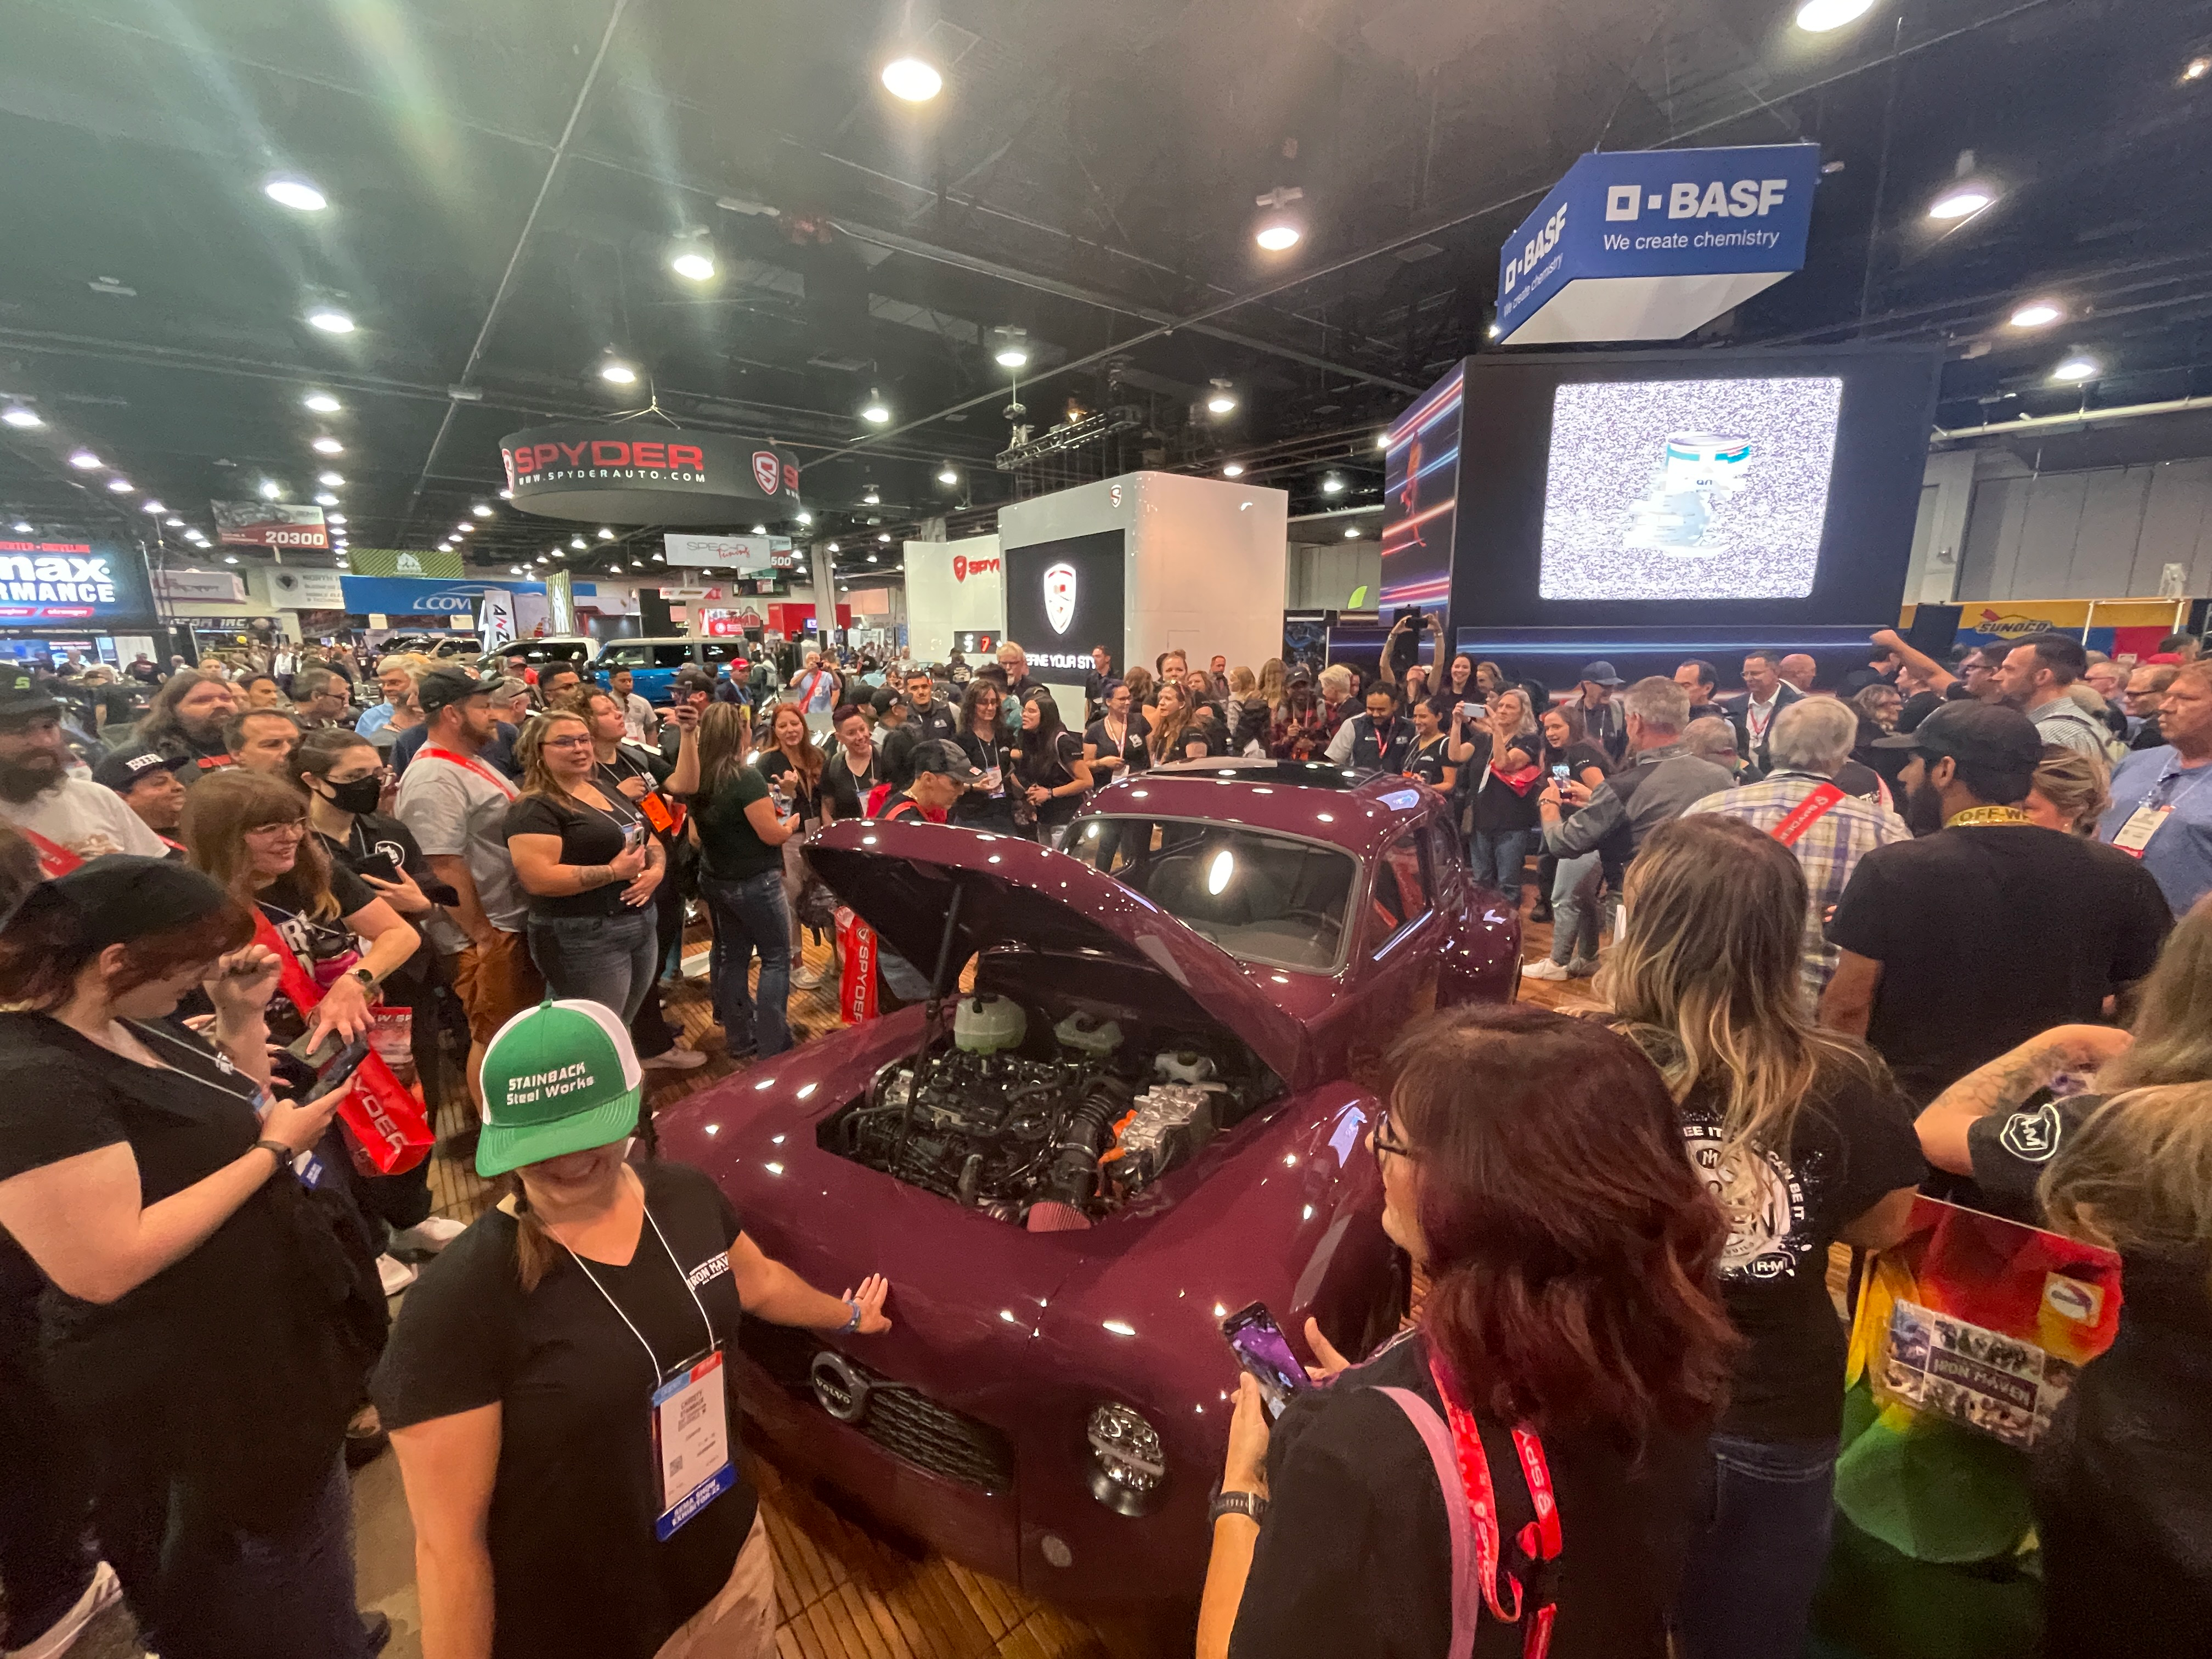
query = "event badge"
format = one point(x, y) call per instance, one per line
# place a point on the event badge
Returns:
point(2142, 824)
point(691, 1443)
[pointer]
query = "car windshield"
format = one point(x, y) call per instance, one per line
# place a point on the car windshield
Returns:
point(1262, 898)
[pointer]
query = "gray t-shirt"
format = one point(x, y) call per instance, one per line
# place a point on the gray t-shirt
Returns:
point(461, 810)
point(89, 819)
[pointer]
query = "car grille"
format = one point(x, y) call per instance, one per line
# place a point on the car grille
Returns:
point(902, 1420)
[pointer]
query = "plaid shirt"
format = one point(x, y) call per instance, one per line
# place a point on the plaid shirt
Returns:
point(1829, 850)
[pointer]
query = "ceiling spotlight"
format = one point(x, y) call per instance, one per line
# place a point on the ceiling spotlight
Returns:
point(760, 529)
point(482, 511)
point(514, 570)
point(445, 546)
point(507, 494)
point(24, 529)
point(2035, 313)
point(946, 475)
point(1960, 202)
point(875, 411)
point(913, 80)
point(1382, 441)
point(1013, 348)
point(806, 517)
point(84, 460)
point(2197, 69)
point(1351, 532)
point(660, 558)
point(1223, 399)
point(322, 403)
point(465, 528)
point(295, 194)
point(576, 542)
point(1819, 16)
point(174, 522)
point(19, 415)
point(616, 372)
point(1491, 332)
point(230, 558)
point(327, 446)
point(616, 565)
point(120, 486)
point(1278, 229)
point(881, 536)
point(872, 558)
point(331, 320)
point(833, 547)
point(150, 505)
point(330, 480)
point(605, 534)
point(334, 518)
point(1331, 485)
point(2079, 366)
point(1233, 470)
point(693, 259)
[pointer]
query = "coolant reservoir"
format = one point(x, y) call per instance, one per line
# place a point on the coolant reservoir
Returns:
point(1087, 1034)
point(989, 1024)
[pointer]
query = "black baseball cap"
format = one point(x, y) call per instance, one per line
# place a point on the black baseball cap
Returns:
point(441, 687)
point(122, 897)
point(121, 773)
point(694, 678)
point(946, 759)
point(1982, 733)
point(21, 697)
point(1599, 673)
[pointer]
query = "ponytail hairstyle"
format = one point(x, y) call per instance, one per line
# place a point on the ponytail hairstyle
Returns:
point(533, 1245)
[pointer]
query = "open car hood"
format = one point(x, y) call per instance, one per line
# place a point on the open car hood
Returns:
point(1017, 895)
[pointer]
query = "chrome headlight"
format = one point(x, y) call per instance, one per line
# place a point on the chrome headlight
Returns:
point(1128, 1466)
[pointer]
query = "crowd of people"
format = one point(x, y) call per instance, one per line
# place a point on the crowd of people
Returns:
point(1835, 940)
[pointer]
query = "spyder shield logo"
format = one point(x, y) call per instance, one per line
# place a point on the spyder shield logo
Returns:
point(767, 472)
point(1059, 596)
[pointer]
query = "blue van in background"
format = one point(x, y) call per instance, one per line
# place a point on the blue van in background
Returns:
point(652, 662)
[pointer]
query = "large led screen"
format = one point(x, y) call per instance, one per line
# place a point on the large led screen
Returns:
point(1687, 489)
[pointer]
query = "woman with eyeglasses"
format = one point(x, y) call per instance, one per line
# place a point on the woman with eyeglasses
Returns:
point(1572, 1342)
point(986, 734)
point(1114, 743)
point(587, 858)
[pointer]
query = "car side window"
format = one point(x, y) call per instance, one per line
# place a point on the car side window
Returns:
point(717, 651)
point(671, 656)
point(623, 656)
point(1402, 889)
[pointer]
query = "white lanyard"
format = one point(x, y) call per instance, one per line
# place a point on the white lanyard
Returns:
point(2166, 778)
point(652, 1357)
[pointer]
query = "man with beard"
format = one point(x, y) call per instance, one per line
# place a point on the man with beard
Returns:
point(324, 697)
point(187, 722)
point(68, 820)
point(149, 787)
point(1963, 944)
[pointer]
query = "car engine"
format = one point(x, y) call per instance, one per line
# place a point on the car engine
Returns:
point(1050, 1125)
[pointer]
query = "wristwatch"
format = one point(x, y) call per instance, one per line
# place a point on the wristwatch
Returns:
point(367, 980)
point(1250, 1504)
point(283, 1154)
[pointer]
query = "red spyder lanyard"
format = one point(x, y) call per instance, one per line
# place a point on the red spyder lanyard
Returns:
point(1541, 1540)
point(470, 763)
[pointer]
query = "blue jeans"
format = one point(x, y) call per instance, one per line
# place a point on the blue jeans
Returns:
point(750, 915)
point(1758, 1551)
point(609, 960)
point(1575, 922)
point(1497, 856)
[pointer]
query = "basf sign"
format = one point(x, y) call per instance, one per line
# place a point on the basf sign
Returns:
point(73, 582)
point(1647, 245)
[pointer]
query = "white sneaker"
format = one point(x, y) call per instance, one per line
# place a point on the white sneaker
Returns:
point(806, 979)
point(104, 1591)
point(675, 1059)
point(396, 1274)
point(1544, 968)
point(430, 1235)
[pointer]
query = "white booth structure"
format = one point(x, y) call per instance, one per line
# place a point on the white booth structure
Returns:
point(1142, 564)
point(955, 594)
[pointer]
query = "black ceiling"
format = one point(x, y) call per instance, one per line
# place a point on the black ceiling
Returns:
point(506, 178)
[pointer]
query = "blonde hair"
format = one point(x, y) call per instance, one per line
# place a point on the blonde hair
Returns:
point(2173, 1014)
point(2137, 1176)
point(1241, 682)
point(1274, 678)
point(1336, 682)
point(2078, 785)
point(1707, 982)
point(1528, 722)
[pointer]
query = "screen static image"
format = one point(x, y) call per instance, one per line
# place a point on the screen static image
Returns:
point(1687, 489)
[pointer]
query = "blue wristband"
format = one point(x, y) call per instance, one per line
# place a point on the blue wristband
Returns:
point(854, 1323)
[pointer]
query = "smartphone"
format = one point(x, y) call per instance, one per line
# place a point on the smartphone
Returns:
point(381, 865)
point(335, 1060)
point(1470, 711)
point(1560, 774)
point(1262, 1349)
point(634, 835)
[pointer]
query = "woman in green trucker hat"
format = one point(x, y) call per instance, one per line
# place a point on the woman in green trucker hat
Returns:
point(555, 1386)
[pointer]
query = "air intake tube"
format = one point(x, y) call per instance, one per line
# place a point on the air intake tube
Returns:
point(1074, 1176)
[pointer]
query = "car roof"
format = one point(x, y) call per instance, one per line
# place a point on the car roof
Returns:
point(1359, 811)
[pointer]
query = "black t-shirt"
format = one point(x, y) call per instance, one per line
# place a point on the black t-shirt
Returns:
point(1577, 758)
point(647, 765)
point(985, 754)
point(1428, 763)
point(1917, 707)
point(1498, 805)
point(322, 945)
point(1355, 1555)
point(1989, 933)
point(575, 1566)
point(382, 844)
point(846, 789)
point(2011, 1150)
point(1852, 1144)
point(940, 722)
point(1055, 771)
point(588, 837)
point(732, 849)
point(1131, 747)
point(238, 1363)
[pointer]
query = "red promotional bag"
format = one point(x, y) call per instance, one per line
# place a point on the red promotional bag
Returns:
point(388, 1131)
point(856, 982)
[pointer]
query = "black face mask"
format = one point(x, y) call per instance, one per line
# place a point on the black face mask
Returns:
point(360, 795)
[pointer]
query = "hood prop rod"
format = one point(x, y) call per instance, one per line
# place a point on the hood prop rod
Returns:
point(933, 1020)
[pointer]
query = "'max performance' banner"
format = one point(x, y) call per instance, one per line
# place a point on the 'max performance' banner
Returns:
point(74, 581)
point(1647, 245)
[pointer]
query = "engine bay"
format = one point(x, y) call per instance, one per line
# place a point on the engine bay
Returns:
point(1048, 1118)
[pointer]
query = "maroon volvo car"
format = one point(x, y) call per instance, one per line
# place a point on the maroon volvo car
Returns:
point(1149, 1109)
